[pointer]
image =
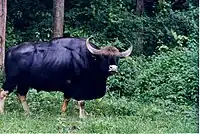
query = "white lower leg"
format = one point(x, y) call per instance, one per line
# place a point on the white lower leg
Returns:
point(25, 107)
point(3, 95)
point(2, 106)
point(81, 109)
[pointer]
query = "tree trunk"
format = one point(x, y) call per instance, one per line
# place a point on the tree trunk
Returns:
point(140, 7)
point(58, 18)
point(3, 13)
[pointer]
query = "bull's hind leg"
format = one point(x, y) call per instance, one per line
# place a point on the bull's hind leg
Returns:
point(21, 93)
point(8, 86)
point(23, 101)
point(3, 95)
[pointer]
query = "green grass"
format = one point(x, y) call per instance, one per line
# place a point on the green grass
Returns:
point(110, 115)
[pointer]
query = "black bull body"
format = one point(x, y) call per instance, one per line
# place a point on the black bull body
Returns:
point(73, 66)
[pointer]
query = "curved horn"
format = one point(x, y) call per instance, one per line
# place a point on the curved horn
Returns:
point(127, 52)
point(90, 48)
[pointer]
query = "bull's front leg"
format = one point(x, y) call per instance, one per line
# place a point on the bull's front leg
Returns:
point(81, 105)
point(65, 104)
point(3, 95)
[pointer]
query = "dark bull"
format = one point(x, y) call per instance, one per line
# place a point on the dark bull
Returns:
point(73, 66)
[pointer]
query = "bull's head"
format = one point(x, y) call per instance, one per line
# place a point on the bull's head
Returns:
point(108, 56)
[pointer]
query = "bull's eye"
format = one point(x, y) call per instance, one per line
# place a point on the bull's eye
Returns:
point(113, 61)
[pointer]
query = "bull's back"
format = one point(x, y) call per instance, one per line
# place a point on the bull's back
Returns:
point(46, 65)
point(18, 58)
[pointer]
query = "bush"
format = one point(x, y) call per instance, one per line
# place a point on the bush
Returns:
point(171, 75)
point(11, 37)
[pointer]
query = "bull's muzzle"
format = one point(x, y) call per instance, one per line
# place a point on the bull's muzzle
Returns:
point(113, 69)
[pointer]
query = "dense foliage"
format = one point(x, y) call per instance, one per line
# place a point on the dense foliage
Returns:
point(170, 76)
point(108, 21)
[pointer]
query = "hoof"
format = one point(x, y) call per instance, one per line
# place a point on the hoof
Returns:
point(1, 112)
point(27, 114)
point(82, 116)
point(62, 113)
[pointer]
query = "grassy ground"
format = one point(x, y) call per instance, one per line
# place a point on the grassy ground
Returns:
point(110, 115)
